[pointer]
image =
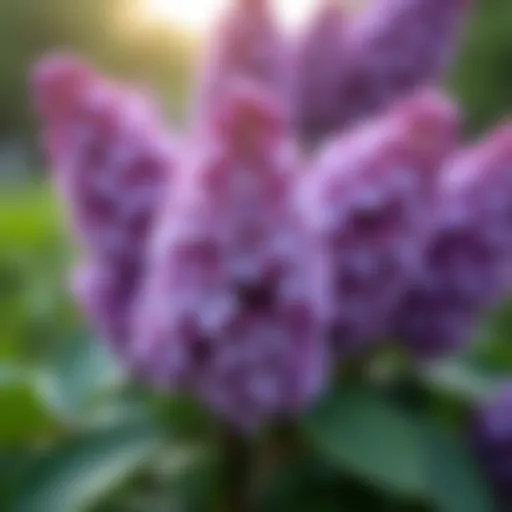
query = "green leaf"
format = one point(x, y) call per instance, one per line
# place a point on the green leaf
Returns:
point(197, 481)
point(24, 415)
point(462, 378)
point(455, 480)
point(13, 462)
point(492, 346)
point(367, 436)
point(77, 474)
point(84, 371)
point(187, 417)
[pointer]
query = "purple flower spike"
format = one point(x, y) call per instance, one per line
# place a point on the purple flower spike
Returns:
point(319, 60)
point(113, 162)
point(491, 433)
point(467, 258)
point(233, 306)
point(247, 44)
point(395, 46)
point(368, 196)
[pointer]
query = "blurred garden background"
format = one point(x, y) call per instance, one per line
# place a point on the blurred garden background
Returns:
point(74, 434)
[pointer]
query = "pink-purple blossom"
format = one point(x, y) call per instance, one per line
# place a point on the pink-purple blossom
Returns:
point(112, 161)
point(369, 198)
point(234, 304)
point(238, 262)
point(466, 267)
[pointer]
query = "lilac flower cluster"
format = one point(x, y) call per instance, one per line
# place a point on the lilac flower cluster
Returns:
point(246, 332)
point(391, 48)
point(113, 160)
point(467, 258)
point(236, 266)
point(368, 195)
point(347, 64)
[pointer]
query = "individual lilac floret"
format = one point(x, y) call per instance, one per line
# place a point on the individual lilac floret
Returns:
point(232, 310)
point(491, 433)
point(112, 162)
point(395, 46)
point(367, 197)
point(246, 44)
point(466, 265)
point(318, 61)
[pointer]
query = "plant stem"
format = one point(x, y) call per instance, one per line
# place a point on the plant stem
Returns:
point(237, 471)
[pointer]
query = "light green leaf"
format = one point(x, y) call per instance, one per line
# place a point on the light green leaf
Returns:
point(24, 415)
point(365, 435)
point(462, 378)
point(84, 371)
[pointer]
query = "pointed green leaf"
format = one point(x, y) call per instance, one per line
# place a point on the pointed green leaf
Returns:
point(462, 378)
point(77, 474)
point(84, 371)
point(456, 482)
point(369, 437)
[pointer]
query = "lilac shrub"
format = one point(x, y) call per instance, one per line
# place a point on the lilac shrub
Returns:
point(235, 265)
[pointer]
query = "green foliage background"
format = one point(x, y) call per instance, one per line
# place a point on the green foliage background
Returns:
point(75, 435)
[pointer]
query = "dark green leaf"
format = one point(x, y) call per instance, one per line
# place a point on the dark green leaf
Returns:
point(455, 480)
point(78, 473)
point(302, 484)
point(184, 415)
point(368, 436)
point(197, 482)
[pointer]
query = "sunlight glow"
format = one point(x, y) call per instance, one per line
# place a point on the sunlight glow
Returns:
point(197, 15)
point(194, 15)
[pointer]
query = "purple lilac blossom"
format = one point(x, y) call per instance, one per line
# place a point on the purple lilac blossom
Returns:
point(234, 305)
point(368, 197)
point(112, 161)
point(466, 268)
